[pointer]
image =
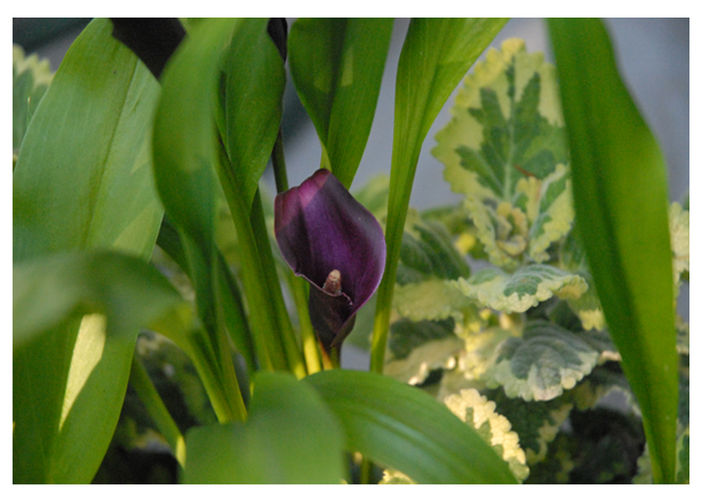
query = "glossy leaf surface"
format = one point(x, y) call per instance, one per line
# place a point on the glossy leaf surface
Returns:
point(291, 436)
point(337, 67)
point(403, 428)
point(620, 195)
point(76, 191)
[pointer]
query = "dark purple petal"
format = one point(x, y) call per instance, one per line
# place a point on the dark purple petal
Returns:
point(320, 227)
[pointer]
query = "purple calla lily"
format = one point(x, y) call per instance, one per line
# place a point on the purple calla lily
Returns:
point(337, 245)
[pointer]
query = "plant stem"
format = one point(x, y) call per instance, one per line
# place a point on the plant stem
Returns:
point(282, 317)
point(263, 312)
point(300, 293)
point(157, 410)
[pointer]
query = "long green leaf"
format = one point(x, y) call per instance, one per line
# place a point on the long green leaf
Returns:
point(251, 103)
point(185, 151)
point(110, 295)
point(403, 428)
point(291, 436)
point(620, 194)
point(337, 67)
point(436, 55)
point(82, 180)
point(251, 98)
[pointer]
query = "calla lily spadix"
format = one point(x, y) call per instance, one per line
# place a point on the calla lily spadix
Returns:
point(337, 245)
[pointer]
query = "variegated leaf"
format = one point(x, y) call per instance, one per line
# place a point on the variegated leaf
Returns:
point(525, 288)
point(431, 299)
point(495, 429)
point(542, 364)
point(536, 423)
point(417, 348)
point(505, 150)
point(31, 77)
point(679, 232)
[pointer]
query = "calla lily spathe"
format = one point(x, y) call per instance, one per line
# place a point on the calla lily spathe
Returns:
point(337, 245)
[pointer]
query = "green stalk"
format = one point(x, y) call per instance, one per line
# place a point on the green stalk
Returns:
point(269, 351)
point(226, 408)
point(157, 409)
point(226, 362)
point(300, 293)
point(282, 317)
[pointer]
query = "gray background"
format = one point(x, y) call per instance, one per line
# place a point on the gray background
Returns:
point(653, 57)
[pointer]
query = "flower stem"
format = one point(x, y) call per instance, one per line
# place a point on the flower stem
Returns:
point(282, 317)
point(155, 407)
point(300, 294)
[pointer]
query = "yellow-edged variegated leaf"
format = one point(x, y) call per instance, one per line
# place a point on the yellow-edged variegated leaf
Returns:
point(495, 429)
point(505, 150)
point(525, 288)
point(543, 363)
point(679, 233)
point(31, 77)
point(433, 355)
point(432, 299)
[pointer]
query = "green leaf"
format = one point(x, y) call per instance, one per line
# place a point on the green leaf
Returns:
point(80, 191)
point(403, 428)
point(69, 384)
point(525, 288)
point(93, 189)
point(185, 152)
point(76, 284)
point(620, 194)
point(337, 66)
point(495, 429)
point(543, 363)
point(31, 77)
point(505, 150)
point(436, 54)
point(291, 436)
point(251, 102)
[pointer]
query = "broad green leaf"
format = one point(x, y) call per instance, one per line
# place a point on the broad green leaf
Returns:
point(620, 194)
point(436, 54)
point(543, 363)
point(291, 436)
point(31, 77)
point(66, 401)
point(505, 150)
point(251, 103)
point(126, 290)
point(70, 192)
point(525, 288)
point(403, 428)
point(337, 66)
point(536, 423)
point(495, 429)
point(93, 189)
